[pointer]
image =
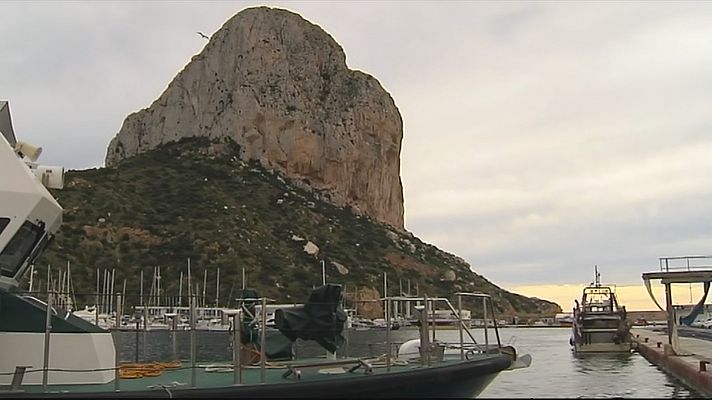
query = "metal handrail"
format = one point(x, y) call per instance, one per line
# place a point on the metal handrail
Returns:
point(484, 296)
point(687, 265)
point(458, 312)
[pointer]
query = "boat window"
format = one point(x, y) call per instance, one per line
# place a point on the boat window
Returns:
point(18, 249)
point(3, 223)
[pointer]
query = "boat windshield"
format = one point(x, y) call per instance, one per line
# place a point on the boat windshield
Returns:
point(19, 248)
point(599, 299)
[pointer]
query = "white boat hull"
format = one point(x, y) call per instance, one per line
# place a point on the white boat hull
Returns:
point(68, 351)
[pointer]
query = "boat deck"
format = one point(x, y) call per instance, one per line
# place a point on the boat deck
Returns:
point(220, 375)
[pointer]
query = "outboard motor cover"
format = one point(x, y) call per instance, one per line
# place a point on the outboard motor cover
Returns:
point(321, 319)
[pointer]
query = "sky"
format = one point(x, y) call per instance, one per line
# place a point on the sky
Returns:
point(540, 138)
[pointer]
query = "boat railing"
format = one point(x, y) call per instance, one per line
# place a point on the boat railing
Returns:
point(428, 328)
point(427, 321)
point(685, 263)
point(48, 300)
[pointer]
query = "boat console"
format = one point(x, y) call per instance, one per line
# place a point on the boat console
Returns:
point(29, 219)
point(30, 216)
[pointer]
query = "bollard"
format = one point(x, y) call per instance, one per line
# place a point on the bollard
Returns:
point(659, 344)
point(646, 340)
point(703, 365)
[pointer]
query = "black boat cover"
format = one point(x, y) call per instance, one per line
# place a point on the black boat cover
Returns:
point(278, 346)
point(321, 319)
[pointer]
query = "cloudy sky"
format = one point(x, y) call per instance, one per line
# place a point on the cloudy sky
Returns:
point(540, 138)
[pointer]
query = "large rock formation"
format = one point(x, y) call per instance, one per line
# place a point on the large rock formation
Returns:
point(279, 87)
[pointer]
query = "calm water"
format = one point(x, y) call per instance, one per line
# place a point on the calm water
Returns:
point(555, 371)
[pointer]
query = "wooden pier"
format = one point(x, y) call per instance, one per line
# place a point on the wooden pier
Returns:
point(691, 365)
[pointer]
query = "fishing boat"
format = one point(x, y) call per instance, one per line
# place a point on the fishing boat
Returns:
point(600, 324)
point(48, 352)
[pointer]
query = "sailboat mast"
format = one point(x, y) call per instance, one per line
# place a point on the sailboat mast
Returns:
point(111, 293)
point(190, 288)
point(205, 284)
point(60, 288)
point(123, 300)
point(104, 290)
point(70, 287)
point(217, 290)
point(158, 284)
point(96, 306)
point(180, 290)
point(385, 294)
point(141, 288)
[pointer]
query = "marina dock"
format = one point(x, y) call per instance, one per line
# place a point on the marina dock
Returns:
point(692, 365)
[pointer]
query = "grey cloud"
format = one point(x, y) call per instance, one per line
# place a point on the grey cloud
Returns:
point(540, 137)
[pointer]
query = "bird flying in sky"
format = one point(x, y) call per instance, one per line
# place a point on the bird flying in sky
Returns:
point(203, 35)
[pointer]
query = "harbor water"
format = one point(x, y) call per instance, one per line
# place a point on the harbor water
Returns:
point(555, 371)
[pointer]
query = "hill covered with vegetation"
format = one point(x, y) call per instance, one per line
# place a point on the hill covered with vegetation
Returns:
point(196, 200)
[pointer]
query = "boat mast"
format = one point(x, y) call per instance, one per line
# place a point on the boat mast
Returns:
point(158, 286)
point(385, 294)
point(96, 305)
point(104, 291)
point(205, 284)
point(60, 288)
point(180, 290)
point(190, 288)
point(111, 293)
point(70, 287)
point(141, 290)
point(217, 289)
point(123, 300)
point(323, 273)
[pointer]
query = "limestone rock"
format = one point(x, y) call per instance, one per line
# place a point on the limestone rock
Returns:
point(279, 86)
point(311, 249)
point(367, 304)
point(340, 267)
point(450, 276)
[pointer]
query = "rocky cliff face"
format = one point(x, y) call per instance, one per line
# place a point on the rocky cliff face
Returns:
point(279, 87)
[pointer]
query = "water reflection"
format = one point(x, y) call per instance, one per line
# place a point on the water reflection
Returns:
point(604, 362)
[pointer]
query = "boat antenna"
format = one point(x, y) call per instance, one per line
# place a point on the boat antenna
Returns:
point(598, 276)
